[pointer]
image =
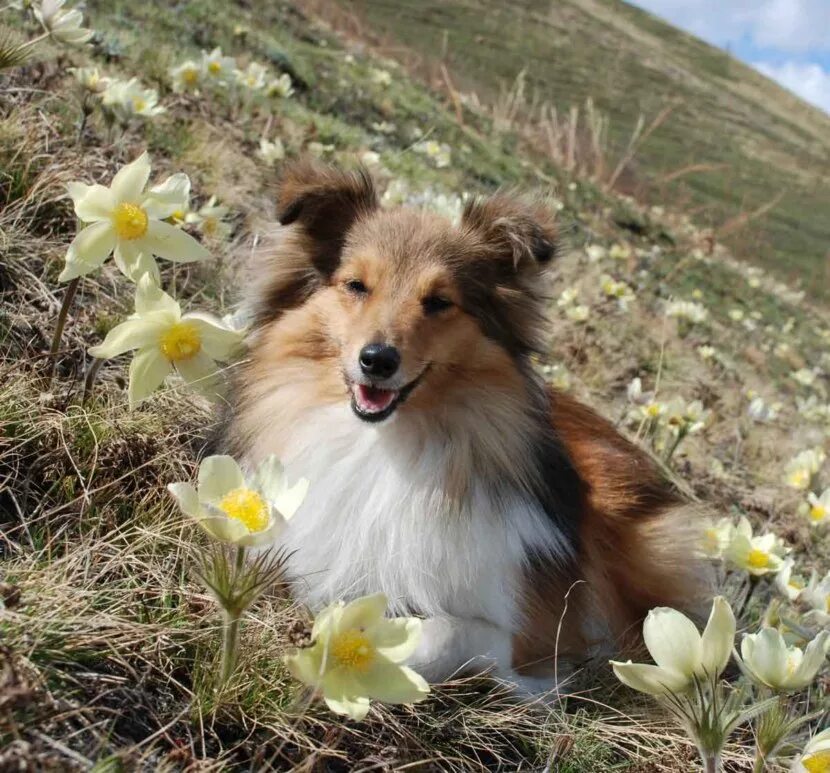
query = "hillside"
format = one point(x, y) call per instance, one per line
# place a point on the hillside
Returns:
point(109, 641)
point(760, 140)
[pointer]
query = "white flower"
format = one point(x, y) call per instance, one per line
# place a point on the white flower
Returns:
point(319, 150)
point(635, 393)
point(789, 586)
point(209, 220)
point(281, 87)
point(817, 507)
point(804, 376)
point(619, 252)
point(680, 652)
point(717, 537)
point(736, 315)
point(186, 76)
point(438, 152)
point(128, 221)
point(128, 98)
point(90, 79)
point(759, 411)
point(706, 352)
point(801, 468)
point(384, 127)
point(568, 296)
point(254, 77)
point(596, 252)
point(370, 158)
point(693, 312)
point(166, 340)
point(381, 77)
point(356, 656)
point(684, 418)
point(218, 68)
point(757, 554)
point(271, 152)
point(619, 290)
point(817, 595)
point(769, 660)
point(247, 512)
point(64, 26)
point(816, 755)
point(578, 313)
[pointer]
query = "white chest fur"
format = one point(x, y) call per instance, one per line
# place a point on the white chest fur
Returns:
point(376, 519)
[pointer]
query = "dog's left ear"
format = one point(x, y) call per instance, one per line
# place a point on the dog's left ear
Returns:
point(521, 235)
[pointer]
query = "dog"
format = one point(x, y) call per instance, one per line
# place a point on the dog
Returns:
point(390, 363)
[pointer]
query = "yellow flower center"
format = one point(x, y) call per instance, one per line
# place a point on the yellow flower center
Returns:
point(178, 216)
point(180, 341)
point(818, 762)
point(653, 410)
point(758, 559)
point(210, 225)
point(139, 104)
point(796, 585)
point(247, 507)
point(818, 512)
point(214, 68)
point(190, 76)
point(800, 478)
point(353, 650)
point(130, 221)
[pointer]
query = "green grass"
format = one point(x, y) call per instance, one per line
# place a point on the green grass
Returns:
point(630, 63)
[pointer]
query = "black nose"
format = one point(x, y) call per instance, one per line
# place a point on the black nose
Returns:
point(379, 360)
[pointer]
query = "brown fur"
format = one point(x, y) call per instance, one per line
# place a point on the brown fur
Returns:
point(476, 385)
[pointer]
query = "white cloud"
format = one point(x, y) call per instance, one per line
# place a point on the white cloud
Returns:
point(810, 81)
point(787, 25)
point(793, 25)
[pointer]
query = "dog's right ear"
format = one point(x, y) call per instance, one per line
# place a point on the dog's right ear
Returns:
point(324, 203)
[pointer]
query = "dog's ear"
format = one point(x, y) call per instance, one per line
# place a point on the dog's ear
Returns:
point(519, 234)
point(325, 203)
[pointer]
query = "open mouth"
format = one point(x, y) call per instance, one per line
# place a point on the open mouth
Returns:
point(373, 403)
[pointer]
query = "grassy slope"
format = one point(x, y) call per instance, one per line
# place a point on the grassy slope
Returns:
point(108, 655)
point(630, 62)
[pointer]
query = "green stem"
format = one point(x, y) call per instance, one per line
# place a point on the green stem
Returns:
point(68, 297)
point(33, 41)
point(230, 642)
point(759, 764)
point(711, 763)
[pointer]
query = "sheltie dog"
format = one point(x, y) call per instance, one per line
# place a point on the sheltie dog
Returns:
point(390, 363)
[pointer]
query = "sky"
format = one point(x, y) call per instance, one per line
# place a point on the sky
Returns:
point(787, 40)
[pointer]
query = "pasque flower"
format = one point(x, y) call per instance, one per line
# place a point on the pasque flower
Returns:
point(127, 99)
point(62, 24)
point(248, 512)
point(786, 583)
point(717, 537)
point(817, 595)
point(769, 660)
point(757, 554)
point(816, 755)
point(128, 221)
point(356, 655)
point(817, 507)
point(186, 76)
point(681, 653)
point(166, 340)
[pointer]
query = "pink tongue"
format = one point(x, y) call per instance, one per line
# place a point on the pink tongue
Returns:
point(374, 399)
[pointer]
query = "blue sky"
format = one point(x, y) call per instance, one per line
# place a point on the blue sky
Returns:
point(788, 40)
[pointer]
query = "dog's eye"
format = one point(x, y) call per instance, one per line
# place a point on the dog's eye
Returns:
point(434, 304)
point(356, 287)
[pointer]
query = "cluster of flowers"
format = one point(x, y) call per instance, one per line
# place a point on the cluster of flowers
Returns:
point(665, 423)
point(686, 675)
point(803, 467)
point(215, 71)
point(689, 311)
point(573, 309)
point(131, 222)
point(354, 652)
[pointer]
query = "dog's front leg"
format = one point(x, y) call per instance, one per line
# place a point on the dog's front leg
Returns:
point(454, 645)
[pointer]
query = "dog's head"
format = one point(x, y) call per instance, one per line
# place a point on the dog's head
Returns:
point(411, 307)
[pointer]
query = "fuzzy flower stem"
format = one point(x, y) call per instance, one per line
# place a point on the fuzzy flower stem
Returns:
point(230, 633)
point(711, 763)
point(68, 297)
point(753, 583)
point(33, 41)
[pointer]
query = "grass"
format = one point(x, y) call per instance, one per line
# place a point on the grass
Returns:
point(108, 644)
point(758, 142)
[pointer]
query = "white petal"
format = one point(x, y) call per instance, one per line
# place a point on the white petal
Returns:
point(258, 539)
point(219, 341)
point(132, 334)
point(92, 202)
point(397, 639)
point(718, 638)
point(128, 184)
point(673, 640)
point(172, 243)
point(812, 661)
point(289, 500)
point(147, 372)
point(650, 679)
point(365, 612)
point(199, 372)
point(92, 245)
point(217, 476)
point(224, 529)
point(185, 494)
point(151, 299)
point(167, 197)
point(765, 655)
